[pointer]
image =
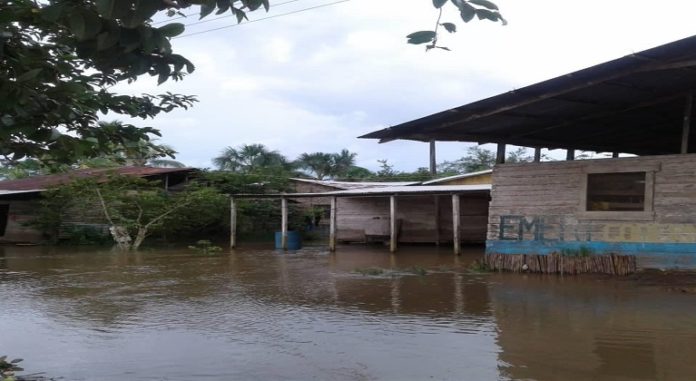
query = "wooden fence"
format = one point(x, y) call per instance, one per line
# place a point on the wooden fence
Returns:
point(561, 264)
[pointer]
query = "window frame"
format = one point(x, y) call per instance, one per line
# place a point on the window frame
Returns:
point(648, 214)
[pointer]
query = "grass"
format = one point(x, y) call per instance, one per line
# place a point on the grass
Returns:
point(479, 266)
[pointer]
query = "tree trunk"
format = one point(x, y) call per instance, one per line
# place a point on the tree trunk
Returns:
point(121, 236)
point(139, 238)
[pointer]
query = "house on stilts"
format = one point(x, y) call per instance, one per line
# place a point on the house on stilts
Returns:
point(640, 201)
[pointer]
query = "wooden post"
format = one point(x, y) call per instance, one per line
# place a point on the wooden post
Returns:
point(392, 224)
point(614, 154)
point(537, 155)
point(284, 223)
point(436, 200)
point(570, 154)
point(687, 122)
point(455, 223)
point(433, 159)
point(233, 223)
point(332, 225)
point(500, 155)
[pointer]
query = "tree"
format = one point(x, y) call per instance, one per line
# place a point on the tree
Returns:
point(132, 207)
point(468, 10)
point(479, 159)
point(252, 158)
point(323, 165)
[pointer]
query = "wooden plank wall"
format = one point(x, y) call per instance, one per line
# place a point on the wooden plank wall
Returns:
point(358, 216)
point(21, 212)
point(542, 203)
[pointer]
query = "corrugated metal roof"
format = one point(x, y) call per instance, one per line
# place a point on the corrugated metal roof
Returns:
point(40, 183)
point(458, 177)
point(356, 184)
point(407, 190)
point(634, 104)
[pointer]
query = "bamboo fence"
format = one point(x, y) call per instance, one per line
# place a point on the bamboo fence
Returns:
point(561, 264)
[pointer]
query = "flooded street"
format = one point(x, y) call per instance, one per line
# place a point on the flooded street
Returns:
point(259, 314)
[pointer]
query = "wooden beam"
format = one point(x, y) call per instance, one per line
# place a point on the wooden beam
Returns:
point(537, 155)
point(436, 201)
point(392, 224)
point(686, 127)
point(500, 155)
point(433, 159)
point(614, 154)
point(332, 226)
point(284, 223)
point(455, 224)
point(233, 223)
point(570, 154)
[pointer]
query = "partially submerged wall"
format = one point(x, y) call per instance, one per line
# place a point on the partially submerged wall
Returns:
point(540, 208)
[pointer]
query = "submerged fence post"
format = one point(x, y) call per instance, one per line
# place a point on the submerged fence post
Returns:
point(332, 226)
point(284, 223)
point(392, 224)
point(233, 224)
point(455, 223)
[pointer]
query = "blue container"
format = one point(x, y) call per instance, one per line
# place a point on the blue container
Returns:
point(294, 240)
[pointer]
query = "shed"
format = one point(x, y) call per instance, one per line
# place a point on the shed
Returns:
point(639, 104)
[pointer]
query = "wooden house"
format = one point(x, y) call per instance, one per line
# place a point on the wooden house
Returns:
point(20, 199)
point(643, 205)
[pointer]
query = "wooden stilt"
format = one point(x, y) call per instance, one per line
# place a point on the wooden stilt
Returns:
point(570, 154)
point(433, 159)
point(686, 127)
point(455, 223)
point(537, 155)
point(436, 201)
point(233, 223)
point(284, 223)
point(615, 154)
point(392, 224)
point(332, 226)
point(500, 154)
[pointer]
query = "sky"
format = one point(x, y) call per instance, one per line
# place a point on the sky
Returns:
point(317, 79)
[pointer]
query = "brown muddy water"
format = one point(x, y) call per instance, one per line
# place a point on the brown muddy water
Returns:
point(260, 314)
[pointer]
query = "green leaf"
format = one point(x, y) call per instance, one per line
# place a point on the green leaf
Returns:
point(486, 14)
point(449, 27)
point(107, 39)
point(52, 12)
point(439, 3)
point(467, 12)
point(207, 7)
point(8, 121)
point(172, 30)
point(31, 74)
point(421, 37)
point(77, 25)
point(484, 3)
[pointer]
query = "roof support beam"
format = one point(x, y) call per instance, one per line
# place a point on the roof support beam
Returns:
point(686, 127)
point(537, 155)
point(433, 159)
point(500, 155)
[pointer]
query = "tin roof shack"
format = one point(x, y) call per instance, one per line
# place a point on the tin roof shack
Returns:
point(398, 214)
point(20, 199)
point(639, 104)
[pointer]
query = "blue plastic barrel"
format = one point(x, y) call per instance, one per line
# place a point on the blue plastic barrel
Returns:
point(294, 240)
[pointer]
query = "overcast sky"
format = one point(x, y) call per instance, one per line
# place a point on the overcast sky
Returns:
point(315, 80)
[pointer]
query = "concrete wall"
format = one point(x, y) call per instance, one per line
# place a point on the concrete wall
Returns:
point(540, 208)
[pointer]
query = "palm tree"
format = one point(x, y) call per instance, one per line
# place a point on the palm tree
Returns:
point(251, 158)
point(323, 165)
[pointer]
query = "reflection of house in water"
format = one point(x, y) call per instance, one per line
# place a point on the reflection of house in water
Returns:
point(20, 199)
point(640, 104)
point(552, 329)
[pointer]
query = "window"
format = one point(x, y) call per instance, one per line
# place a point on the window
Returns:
point(617, 192)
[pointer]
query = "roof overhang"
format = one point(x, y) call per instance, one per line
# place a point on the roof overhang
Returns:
point(415, 190)
point(634, 104)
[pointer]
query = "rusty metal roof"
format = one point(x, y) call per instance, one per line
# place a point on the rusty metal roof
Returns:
point(634, 104)
point(39, 183)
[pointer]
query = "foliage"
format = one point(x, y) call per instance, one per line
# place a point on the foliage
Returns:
point(468, 10)
point(355, 173)
point(371, 271)
point(205, 247)
point(479, 159)
point(582, 251)
point(417, 270)
point(479, 266)
point(251, 159)
point(385, 169)
point(86, 235)
point(60, 60)
point(323, 165)
point(7, 368)
point(134, 208)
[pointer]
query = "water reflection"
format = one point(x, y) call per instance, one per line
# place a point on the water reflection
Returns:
point(261, 314)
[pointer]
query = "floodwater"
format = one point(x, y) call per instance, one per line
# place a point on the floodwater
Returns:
point(260, 314)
